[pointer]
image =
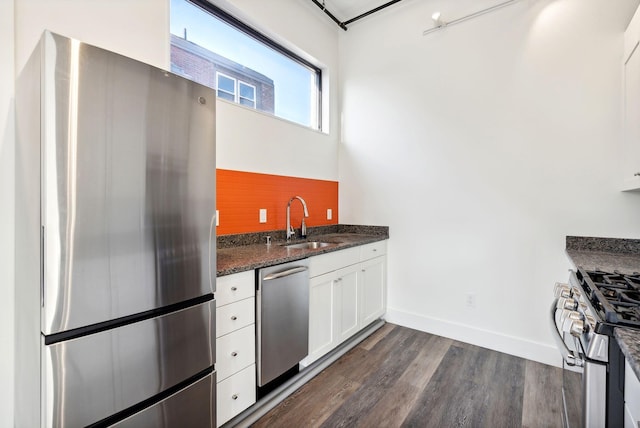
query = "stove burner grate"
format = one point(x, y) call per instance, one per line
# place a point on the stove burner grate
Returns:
point(615, 296)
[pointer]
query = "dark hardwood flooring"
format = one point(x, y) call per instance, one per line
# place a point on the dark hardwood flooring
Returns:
point(399, 377)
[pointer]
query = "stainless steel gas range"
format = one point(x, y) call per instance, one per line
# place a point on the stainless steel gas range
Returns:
point(584, 314)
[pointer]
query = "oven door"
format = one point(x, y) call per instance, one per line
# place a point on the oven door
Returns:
point(572, 388)
point(584, 381)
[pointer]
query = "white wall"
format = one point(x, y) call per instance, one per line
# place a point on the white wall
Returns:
point(7, 203)
point(251, 141)
point(482, 146)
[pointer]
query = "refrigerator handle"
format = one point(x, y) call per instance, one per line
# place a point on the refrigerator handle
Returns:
point(212, 230)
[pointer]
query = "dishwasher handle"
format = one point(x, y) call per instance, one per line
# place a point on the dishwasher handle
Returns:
point(284, 273)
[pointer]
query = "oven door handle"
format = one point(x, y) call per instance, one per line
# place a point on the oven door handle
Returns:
point(567, 354)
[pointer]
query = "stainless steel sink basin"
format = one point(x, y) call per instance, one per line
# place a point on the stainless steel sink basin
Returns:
point(311, 245)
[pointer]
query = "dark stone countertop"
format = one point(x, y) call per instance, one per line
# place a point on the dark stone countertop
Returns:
point(606, 254)
point(629, 341)
point(239, 253)
point(611, 254)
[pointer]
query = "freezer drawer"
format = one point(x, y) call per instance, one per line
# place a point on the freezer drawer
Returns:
point(193, 406)
point(93, 377)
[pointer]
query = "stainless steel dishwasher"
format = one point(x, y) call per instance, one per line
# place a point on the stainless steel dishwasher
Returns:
point(282, 318)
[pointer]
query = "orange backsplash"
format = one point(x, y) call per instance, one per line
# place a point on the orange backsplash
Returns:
point(240, 195)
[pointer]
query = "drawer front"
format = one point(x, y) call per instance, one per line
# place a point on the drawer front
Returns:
point(234, 316)
point(232, 288)
point(324, 263)
point(192, 406)
point(236, 393)
point(632, 392)
point(375, 249)
point(235, 351)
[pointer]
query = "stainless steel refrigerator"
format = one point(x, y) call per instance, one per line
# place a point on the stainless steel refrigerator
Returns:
point(115, 242)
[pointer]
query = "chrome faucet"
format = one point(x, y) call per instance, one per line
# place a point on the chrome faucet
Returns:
point(290, 231)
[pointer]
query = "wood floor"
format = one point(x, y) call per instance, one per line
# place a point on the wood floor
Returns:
point(400, 377)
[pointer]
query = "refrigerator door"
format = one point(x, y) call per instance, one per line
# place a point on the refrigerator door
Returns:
point(128, 186)
point(102, 375)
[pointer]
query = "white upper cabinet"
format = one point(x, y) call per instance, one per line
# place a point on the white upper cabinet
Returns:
point(631, 108)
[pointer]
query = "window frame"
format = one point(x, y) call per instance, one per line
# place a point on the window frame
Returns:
point(255, 34)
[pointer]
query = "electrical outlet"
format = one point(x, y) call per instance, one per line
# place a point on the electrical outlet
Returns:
point(217, 218)
point(263, 215)
point(471, 300)
point(329, 213)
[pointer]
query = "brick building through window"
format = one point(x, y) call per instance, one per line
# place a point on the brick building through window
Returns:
point(232, 81)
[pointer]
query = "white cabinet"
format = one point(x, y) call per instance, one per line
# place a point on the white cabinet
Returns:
point(374, 292)
point(347, 297)
point(631, 398)
point(631, 108)
point(347, 293)
point(235, 394)
point(333, 310)
point(235, 344)
point(321, 316)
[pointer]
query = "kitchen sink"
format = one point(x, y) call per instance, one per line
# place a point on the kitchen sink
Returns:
point(310, 245)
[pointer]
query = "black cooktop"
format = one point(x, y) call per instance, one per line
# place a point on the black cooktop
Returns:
point(614, 296)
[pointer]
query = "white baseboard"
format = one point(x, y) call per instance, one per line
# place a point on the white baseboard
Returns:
point(540, 352)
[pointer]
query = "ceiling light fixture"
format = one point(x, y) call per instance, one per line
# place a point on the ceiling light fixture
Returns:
point(439, 23)
point(437, 20)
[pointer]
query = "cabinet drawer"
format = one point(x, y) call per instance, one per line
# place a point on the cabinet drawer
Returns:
point(375, 249)
point(324, 263)
point(631, 392)
point(236, 393)
point(234, 316)
point(231, 288)
point(235, 351)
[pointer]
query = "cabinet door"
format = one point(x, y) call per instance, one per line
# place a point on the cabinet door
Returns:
point(373, 290)
point(321, 316)
point(631, 120)
point(347, 302)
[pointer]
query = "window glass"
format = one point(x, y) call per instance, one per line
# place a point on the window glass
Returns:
point(213, 48)
point(247, 95)
point(226, 84)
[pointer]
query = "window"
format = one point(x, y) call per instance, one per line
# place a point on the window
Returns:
point(244, 66)
point(247, 95)
point(243, 93)
point(226, 87)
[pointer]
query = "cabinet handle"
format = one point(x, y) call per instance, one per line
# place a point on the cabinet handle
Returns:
point(234, 288)
point(234, 396)
point(637, 174)
point(233, 317)
point(234, 354)
point(375, 249)
point(364, 270)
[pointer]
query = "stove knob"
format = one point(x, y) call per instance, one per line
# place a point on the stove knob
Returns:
point(567, 317)
point(591, 323)
point(577, 328)
point(570, 304)
point(562, 290)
